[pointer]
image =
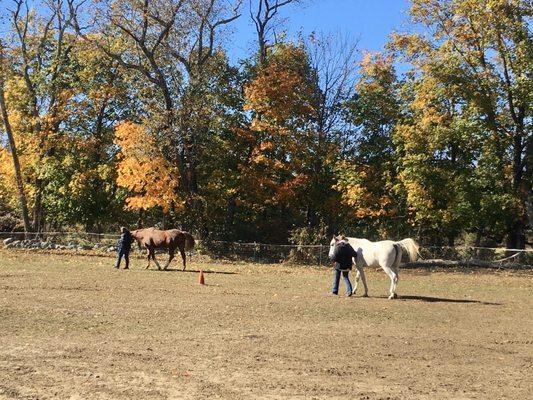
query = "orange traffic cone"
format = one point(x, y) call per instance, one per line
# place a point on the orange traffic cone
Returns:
point(201, 280)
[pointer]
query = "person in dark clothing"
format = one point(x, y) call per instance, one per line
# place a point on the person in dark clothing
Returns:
point(342, 258)
point(124, 247)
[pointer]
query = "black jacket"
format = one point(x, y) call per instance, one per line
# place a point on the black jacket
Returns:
point(343, 255)
point(124, 243)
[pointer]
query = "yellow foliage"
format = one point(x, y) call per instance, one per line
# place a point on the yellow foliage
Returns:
point(362, 189)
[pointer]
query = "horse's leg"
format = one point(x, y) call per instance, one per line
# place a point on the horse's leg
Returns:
point(393, 280)
point(170, 257)
point(153, 258)
point(183, 256)
point(357, 276)
point(361, 271)
point(149, 255)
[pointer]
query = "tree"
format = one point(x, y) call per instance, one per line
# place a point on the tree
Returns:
point(264, 14)
point(280, 97)
point(144, 171)
point(12, 144)
point(333, 65)
point(170, 45)
point(367, 175)
point(42, 47)
point(481, 52)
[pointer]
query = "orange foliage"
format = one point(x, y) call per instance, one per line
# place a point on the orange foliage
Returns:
point(281, 91)
point(281, 97)
point(144, 171)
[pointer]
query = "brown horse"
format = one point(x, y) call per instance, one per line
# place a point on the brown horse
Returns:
point(152, 239)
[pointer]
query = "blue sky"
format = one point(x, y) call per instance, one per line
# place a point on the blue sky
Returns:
point(371, 21)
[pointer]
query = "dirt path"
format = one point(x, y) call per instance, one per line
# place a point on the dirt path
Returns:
point(72, 327)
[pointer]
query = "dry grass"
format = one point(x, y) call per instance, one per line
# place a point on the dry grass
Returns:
point(72, 327)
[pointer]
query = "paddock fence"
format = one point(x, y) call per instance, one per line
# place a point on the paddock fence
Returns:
point(316, 255)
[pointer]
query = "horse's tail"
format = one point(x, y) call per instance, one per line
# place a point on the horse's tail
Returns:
point(189, 241)
point(398, 258)
point(411, 247)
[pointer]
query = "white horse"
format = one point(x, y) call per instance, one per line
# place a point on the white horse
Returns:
point(386, 254)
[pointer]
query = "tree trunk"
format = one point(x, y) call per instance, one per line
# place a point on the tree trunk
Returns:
point(516, 232)
point(38, 206)
point(516, 237)
point(14, 154)
point(231, 207)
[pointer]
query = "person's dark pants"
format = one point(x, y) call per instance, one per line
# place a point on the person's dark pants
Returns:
point(126, 256)
point(336, 279)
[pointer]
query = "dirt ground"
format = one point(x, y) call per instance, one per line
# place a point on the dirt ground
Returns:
point(72, 327)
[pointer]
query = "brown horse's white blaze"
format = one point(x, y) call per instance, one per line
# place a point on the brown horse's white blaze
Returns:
point(172, 239)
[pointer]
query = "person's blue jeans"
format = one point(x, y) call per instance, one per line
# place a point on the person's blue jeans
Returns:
point(337, 278)
point(125, 255)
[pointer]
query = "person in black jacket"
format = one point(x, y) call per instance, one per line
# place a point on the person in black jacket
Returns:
point(342, 258)
point(124, 247)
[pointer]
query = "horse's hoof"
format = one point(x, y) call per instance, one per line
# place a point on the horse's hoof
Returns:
point(365, 295)
point(393, 296)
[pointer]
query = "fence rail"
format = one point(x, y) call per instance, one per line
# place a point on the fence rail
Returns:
point(272, 253)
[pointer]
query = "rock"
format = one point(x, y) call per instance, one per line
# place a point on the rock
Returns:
point(14, 243)
point(8, 240)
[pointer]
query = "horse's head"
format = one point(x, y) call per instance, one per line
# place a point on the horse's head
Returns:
point(138, 238)
point(334, 241)
point(332, 244)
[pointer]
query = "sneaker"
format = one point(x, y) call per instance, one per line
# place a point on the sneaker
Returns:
point(348, 295)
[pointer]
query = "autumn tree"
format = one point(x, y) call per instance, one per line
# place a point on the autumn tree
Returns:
point(280, 97)
point(476, 58)
point(12, 145)
point(366, 176)
point(329, 129)
point(265, 14)
point(143, 170)
point(84, 190)
point(41, 45)
point(171, 46)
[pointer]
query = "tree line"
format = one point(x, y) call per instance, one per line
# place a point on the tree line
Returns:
point(130, 112)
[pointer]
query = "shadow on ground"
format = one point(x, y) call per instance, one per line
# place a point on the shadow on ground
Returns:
point(429, 299)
